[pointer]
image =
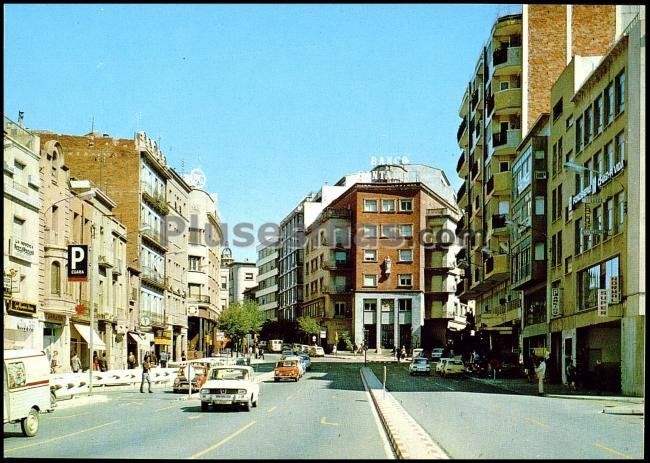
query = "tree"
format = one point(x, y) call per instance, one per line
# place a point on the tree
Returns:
point(239, 319)
point(284, 329)
point(308, 325)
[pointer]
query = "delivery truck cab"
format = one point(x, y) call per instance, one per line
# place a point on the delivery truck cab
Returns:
point(26, 388)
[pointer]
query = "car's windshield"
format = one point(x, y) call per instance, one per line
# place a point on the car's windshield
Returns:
point(229, 373)
point(419, 360)
point(287, 363)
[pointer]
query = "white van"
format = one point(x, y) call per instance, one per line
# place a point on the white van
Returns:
point(275, 345)
point(26, 388)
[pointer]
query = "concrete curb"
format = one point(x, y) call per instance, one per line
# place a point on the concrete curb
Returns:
point(407, 437)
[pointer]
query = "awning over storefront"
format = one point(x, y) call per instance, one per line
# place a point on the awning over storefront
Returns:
point(136, 337)
point(84, 331)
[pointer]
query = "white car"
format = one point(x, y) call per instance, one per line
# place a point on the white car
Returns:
point(316, 351)
point(440, 363)
point(419, 366)
point(230, 384)
point(436, 353)
point(453, 367)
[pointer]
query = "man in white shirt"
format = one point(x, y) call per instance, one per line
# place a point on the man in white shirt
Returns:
point(541, 371)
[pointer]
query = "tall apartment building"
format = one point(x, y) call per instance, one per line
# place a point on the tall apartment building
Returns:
point(204, 266)
point(21, 256)
point(372, 266)
point(135, 174)
point(243, 275)
point(597, 273)
point(267, 279)
point(508, 91)
point(178, 193)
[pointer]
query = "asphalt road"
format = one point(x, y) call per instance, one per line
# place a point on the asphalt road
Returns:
point(469, 419)
point(327, 414)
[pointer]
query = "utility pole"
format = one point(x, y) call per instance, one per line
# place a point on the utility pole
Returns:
point(91, 264)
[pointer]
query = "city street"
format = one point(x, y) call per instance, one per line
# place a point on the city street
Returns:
point(327, 414)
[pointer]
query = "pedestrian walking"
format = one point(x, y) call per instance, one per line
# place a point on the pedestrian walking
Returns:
point(402, 353)
point(146, 366)
point(153, 360)
point(163, 359)
point(541, 372)
point(571, 374)
point(95, 361)
point(398, 354)
point(54, 362)
point(130, 361)
point(334, 349)
point(103, 363)
point(257, 351)
point(75, 363)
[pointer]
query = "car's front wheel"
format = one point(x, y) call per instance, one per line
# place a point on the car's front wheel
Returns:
point(248, 404)
point(30, 423)
point(256, 400)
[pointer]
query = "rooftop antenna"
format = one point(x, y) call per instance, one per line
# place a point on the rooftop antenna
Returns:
point(92, 125)
point(21, 117)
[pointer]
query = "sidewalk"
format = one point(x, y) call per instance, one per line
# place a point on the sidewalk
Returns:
point(522, 386)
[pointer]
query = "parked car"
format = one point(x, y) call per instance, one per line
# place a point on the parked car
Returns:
point(436, 353)
point(288, 369)
point(307, 360)
point(510, 370)
point(229, 385)
point(316, 351)
point(286, 353)
point(181, 384)
point(418, 352)
point(439, 364)
point(419, 366)
point(453, 367)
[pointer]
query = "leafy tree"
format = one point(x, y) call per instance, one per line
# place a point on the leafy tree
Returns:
point(345, 341)
point(284, 329)
point(308, 325)
point(239, 319)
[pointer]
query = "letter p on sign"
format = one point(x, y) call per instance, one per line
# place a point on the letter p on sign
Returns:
point(78, 262)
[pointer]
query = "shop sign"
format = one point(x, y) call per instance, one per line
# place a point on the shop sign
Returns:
point(323, 334)
point(55, 318)
point(606, 176)
point(613, 290)
point(27, 325)
point(21, 249)
point(555, 302)
point(602, 302)
point(588, 190)
point(21, 308)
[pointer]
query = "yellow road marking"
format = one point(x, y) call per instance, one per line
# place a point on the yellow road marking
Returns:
point(61, 437)
point(324, 421)
point(539, 423)
point(271, 409)
point(615, 452)
point(165, 408)
point(195, 417)
point(220, 443)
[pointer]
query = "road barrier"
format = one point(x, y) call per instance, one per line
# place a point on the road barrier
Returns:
point(66, 385)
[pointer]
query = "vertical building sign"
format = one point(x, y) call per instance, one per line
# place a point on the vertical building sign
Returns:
point(613, 290)
point(555, 302)
point(602, 302)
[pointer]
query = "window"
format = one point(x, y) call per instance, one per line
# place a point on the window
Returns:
point(405, 255)
point(370, 305)
point(609, 104)
point(405, 205)
point(387, 205)
point(370, 280)
point(370, 231)
point(406, 231)
point(594, 278)
point(569, 121)
point(608, 158)
point(619, 155)
point(389, 231)
point(557, 110)
point(194, 263)
point(195, 236)
point(578, 236)
point(579, 134)
point(504, 85)
point(405, 305)
point(539, 205)
point(598, 223)
point(608, 216)
point(369, 205)
point(55, 278)
point(588, 125)
point(620, 92)
point(539, 251)
point(598, 162)
point(248, 277)
point(598, 115)
point(18, 228)
point(370, 255)
point(339, 308)
point(405, 279)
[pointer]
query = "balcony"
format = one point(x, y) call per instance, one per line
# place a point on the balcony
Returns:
point(507, 102)
point(529, 275)
point(198, 298)
point(503, 314)
point(504, 143)
point(117, 269)
point(440, 261)
point(155, 236)
point(461, 165)
point(500, 184)
point(104, 261)
point(464, 105)
point(336, 289)
point(475, 171)
point(498, 226)
point(473, 102)
point(506, 60)
point(497, 268)
point(461, 192)
point(154, 197)
point(462, 135)
point(333, 264)
point(106, 316)
point(461, 287)
point(150, 275)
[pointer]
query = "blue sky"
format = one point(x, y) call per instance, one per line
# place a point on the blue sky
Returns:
point(270, 101)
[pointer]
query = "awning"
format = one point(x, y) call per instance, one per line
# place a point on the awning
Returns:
point(84, 331)
point(136, 337)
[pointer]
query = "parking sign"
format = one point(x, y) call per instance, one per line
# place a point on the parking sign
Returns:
point(78, 262)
